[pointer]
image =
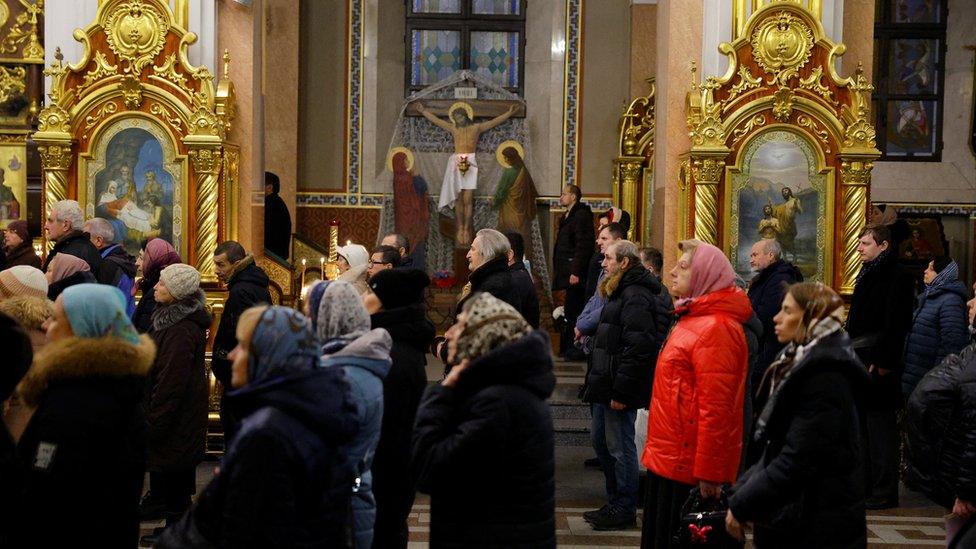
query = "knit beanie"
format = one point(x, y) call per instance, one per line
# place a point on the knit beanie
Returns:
point(181, 280)
point(399, 287)
point(19, 227)
point(22, 280)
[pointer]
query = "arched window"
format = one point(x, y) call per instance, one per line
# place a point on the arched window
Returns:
point(484, 36)
point(909, 72)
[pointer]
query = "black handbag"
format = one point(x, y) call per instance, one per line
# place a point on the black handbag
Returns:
point(702, 523)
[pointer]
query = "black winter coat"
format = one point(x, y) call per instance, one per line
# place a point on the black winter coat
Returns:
point(83, 451)
point(627, 341)
point(528, 301)
point(483, 450)
point(118, 262)
point(766, 293)
point(142, 318)
point(277, 226)
point(247, 288)
point(280, 483)
point(574, 246)
point(403, 387)
point(78, 244)
point(878, 323)
point(176, 402)
point(941, 427)
point(81, 277)
point(804, 486)
point(939, 329)
point(23, 255)
point(492, 277)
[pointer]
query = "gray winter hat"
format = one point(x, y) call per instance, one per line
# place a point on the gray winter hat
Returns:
point(181, 280)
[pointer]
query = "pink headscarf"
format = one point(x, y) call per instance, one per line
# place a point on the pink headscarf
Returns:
point(710, 272)
point(159, 254)
point(64, 265)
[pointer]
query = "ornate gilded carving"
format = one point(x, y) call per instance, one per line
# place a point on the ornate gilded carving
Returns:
point(781, 45)
point(814, 84)
point(13, 83)
point(225, 102)
point(55, 161)
point(856, 175)
point(23, 33)
point(94, 118)
point(102, 69)
point(53, 119)
point(783, 104)
point(131, 90)
point(206, 163)
point(168, 71)
point(746, 82)
point(706, 212)
point(174, 121)
point(55, 157)
point(754, 122)
point(136, 32)
point(859, 132)
point(708, 170)
point(807, 122)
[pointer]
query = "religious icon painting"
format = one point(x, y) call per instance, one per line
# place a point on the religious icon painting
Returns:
point(913, 65)
point(13, 182)
point(911, 128)
point(916, 11)
point(779, 191)
point(135, 182)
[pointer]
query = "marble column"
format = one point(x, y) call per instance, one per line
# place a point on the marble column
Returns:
point(859, 37)
point(676, 21)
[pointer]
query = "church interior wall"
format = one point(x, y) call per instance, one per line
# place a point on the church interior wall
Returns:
point(643, 39)
point(281, 58)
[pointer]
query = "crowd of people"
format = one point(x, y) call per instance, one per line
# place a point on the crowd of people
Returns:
point(769, 399)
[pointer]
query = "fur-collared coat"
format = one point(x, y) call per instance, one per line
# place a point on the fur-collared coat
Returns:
point(83, 454)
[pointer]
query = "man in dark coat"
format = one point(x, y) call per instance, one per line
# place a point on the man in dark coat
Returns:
point(118, 267)
point(766, 292)
point(397, 305)
point(490, 416)
point(64, 226)
point(619, 377)
point(528, 301)
point(277, 220)
point(572, 250)
point(247, 286)
point(408, 259)
point(878, 323)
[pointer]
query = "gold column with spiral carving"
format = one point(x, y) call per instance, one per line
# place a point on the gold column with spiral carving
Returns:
point(707, 172)
point(55, 161)
point(856, 177)
point(206, 162)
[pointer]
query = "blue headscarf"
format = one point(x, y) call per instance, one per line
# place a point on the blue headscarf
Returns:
point(314, 300)
point(283, 343)
point(98, 310)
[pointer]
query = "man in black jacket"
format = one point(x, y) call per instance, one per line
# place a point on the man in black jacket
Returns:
point(247, 286)
point(64, 226)
point(878, 323)
point(766, 292)
point(528, 301)
point(277, 220)
point(619, 378)
point(570, 254)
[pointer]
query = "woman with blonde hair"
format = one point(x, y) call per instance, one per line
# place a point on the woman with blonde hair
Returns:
point(804, 486)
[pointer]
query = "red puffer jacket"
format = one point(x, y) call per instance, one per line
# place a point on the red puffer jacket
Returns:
point(694, 428)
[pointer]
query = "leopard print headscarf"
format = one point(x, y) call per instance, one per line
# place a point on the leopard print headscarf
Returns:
point(491, 323)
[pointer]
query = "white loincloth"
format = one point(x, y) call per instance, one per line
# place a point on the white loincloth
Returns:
point(455, 181)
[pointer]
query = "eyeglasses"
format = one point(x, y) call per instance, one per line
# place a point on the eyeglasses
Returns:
point(371, 263)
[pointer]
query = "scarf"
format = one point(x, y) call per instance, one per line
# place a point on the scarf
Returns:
point(64, 265)
point(793, 353)
point(98, 310)
point(282, 343)
point(341, 316)
point(315, 301)
point(710, 272)
point(869, 266)
point(159, 254)
point(165, 316)
point(950, 273)
point(491, 323)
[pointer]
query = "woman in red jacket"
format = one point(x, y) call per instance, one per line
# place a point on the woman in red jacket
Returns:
point(694, 429)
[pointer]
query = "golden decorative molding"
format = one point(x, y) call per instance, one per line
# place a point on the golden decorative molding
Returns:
point(102, 69)
point(167, 71)
point(22, 34)
point(783, 104)
point(754, 122)
point(136, 33)
point(805, 121)
point(746, 82)
point(173, 120)
point(94, 118)
point(206, 163)
point(55, 161)
point(633, 168)
point(708, 170)
point(131, 90)
point(856, 176)
point(706, 212)
point(13, 82)
point(814, 83)
point(782, 45)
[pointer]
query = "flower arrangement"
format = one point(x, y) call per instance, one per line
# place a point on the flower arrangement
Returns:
point(443, 279)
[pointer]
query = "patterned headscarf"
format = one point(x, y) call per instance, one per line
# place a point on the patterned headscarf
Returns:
point(159, 254)
point(98, 310)
point(315, 301)
point(491, 322)
point(342, 317)
point(949, 273)
point(282, 343)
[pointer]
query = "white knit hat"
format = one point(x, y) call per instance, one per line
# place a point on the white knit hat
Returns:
point(22, 280)
point(181, 280)
point(355, 254)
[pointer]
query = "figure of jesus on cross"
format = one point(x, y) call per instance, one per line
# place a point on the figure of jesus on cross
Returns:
point(461, 176)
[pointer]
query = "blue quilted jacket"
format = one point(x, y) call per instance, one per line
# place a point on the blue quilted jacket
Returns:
point(939, 328)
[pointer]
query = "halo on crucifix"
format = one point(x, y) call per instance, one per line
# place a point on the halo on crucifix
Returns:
point(461, 105)
point(396, 150)
point(499, 152)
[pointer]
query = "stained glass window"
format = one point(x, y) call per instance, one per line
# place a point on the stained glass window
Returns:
point(484, 36)
point(909, 49)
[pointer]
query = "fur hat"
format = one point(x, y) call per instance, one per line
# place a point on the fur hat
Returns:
point(181, 280)
point(31, 311)
point(399, 287)
point(22, 280)
point(355, 254)
point(20, 228)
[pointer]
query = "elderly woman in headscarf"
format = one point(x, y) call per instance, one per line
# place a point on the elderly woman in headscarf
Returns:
point(342, 325)
point(156, 255)
point(695, 424)
point(804, 486)
point(83, 451)
point(281, 482)
point(483, 441)
point(66, 270)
